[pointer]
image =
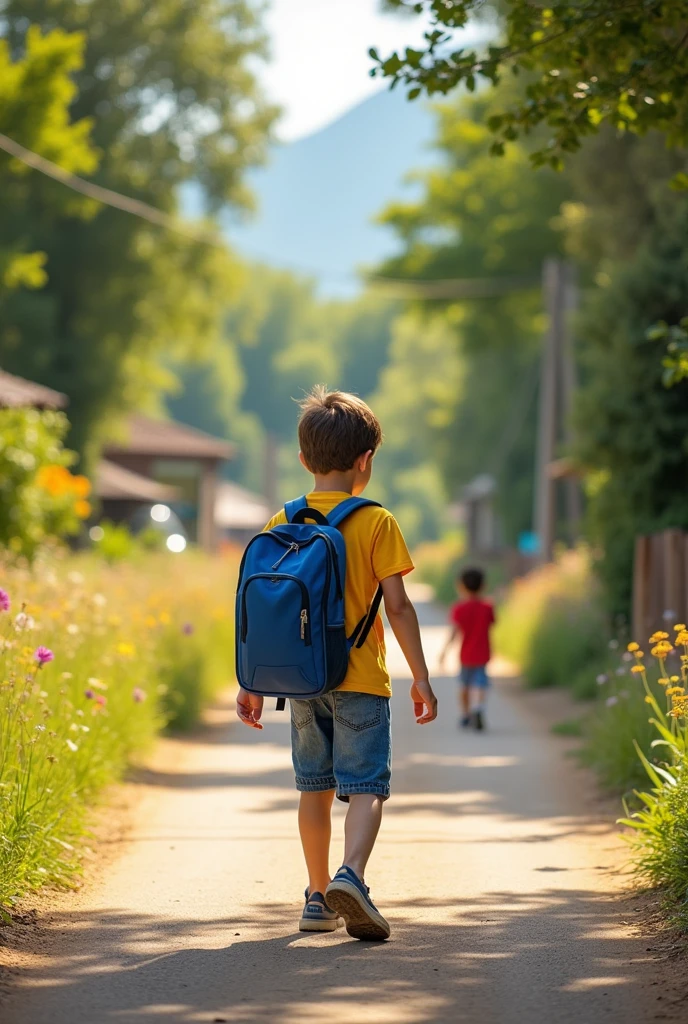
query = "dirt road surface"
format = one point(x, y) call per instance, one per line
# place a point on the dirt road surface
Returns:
point(501, 883)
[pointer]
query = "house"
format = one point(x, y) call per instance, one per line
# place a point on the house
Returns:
point(17, 393)
point(183, 458)
point(152, 462)
point(239, 513)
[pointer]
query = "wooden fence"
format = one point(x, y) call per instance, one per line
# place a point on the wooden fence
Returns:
point(660, 582)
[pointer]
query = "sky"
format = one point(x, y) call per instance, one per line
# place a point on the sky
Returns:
point(320, 63)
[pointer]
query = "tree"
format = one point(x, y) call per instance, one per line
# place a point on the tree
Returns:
point(613, 62)
point(279, 340)
point(487, 219)
point(169, 89)
point(632, 430)
point(35, 97)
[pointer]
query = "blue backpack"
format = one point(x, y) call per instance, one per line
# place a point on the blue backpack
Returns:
point(290, 635)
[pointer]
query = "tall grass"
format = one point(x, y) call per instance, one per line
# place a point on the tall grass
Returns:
point(553, 627)
point(660, 824)
point(94, 661)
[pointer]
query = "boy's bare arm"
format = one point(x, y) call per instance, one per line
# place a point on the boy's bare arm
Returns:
point(404, 622)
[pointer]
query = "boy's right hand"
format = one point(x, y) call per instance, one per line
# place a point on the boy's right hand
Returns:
point(249, 707)
point(424, 701)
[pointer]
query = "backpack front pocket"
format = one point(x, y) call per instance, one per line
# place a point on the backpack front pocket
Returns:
point(276, 619)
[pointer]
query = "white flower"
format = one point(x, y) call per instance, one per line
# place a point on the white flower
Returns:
point(611, 701)
point(39, 728)
point(80, 713)
point(72, 629)
point(72, 746)
point(627, 656)
point(74, 727)
point(602, 678)
point(24, 622)
point(84, 728)
point(99, 600)
point(97, 684)
point(65, 675)
point(613, 645)
point(76, 578)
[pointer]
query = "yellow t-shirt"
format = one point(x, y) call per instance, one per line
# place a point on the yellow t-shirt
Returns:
point(375, 549)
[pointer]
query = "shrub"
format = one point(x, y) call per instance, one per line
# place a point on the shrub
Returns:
point(95, 660)
point(39, 497)
point(553, 627)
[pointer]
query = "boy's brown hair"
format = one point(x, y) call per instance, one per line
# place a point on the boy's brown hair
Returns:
point(335, 428)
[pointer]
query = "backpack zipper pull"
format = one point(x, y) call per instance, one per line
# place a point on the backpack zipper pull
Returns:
point(304, 620)
point(292, 547)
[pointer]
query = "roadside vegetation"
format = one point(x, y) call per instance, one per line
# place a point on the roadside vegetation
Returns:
point(97, 659)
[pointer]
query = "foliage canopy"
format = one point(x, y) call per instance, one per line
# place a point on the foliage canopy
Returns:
point(170, 94)
point(616, 62)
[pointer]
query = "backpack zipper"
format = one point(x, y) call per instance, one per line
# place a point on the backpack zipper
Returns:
point(292, 547)
point(304, 623)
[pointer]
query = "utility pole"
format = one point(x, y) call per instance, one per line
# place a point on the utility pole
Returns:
point(557, 390)
point(569, 384)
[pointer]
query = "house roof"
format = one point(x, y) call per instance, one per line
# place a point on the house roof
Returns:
point(17, 393)
point(116, 483)
point(146, 436)
point(239, 509)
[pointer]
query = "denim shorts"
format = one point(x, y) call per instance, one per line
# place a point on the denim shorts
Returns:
point(342, 741)
point(474, 675)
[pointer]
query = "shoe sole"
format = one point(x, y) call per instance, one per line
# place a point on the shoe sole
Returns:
point(306, 925)
point(362, 922)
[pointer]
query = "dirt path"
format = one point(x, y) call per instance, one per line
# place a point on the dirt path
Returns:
point(500, 882)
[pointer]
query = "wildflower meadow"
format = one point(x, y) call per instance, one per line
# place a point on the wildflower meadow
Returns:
point(96, 660)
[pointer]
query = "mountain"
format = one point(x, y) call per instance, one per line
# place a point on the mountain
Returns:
point(317, 197)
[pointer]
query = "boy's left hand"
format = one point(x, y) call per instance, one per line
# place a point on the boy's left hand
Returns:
point(424, 701)
point(249, 708)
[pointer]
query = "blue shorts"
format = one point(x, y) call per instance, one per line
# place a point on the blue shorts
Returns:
point(474, 675)
point(342, 741)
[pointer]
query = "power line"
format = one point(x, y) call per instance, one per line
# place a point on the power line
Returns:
point(106, 196)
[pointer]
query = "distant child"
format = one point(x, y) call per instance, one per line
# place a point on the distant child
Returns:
point(471, 617)
point(341, 742)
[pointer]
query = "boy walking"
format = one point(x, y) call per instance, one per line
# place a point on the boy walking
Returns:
point(341, 742)
point(471, 617)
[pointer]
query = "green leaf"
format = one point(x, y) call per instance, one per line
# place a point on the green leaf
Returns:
point(679, 182)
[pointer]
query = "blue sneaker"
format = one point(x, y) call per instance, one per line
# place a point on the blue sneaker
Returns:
point(317, 916)
point(348, 896)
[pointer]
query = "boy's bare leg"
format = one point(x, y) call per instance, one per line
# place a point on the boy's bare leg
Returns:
point(360, 830)
point(466, 700)
point(315, 829)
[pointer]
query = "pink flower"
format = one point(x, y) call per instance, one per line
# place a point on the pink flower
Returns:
point(4, 600)
point(43, 655)
point(89, 694)
point(139, 695)
point(100, 699)
point(187, 629)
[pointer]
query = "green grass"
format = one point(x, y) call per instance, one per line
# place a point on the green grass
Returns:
point(135, 647)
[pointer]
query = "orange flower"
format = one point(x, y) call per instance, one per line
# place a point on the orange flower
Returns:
point(82, 508)
point(81, 486)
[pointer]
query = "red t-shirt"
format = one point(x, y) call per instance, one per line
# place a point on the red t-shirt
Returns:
point(474, 618)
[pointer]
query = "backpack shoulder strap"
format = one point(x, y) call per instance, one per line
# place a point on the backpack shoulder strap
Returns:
point(346, 507)
point(292, 507)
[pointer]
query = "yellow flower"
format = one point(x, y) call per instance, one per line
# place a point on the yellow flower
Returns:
point(648, 700)
point(82, 508)
point(81, 486)
point(151, 621)
point(679, 626)
point(674, 679)
point(638, 668)
point(165, 618)
point(656, 637)
point(682, 637)
point(633, 647)
point(663, 681)
point(662, 649)
point(126, 650)
point(639, 654)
